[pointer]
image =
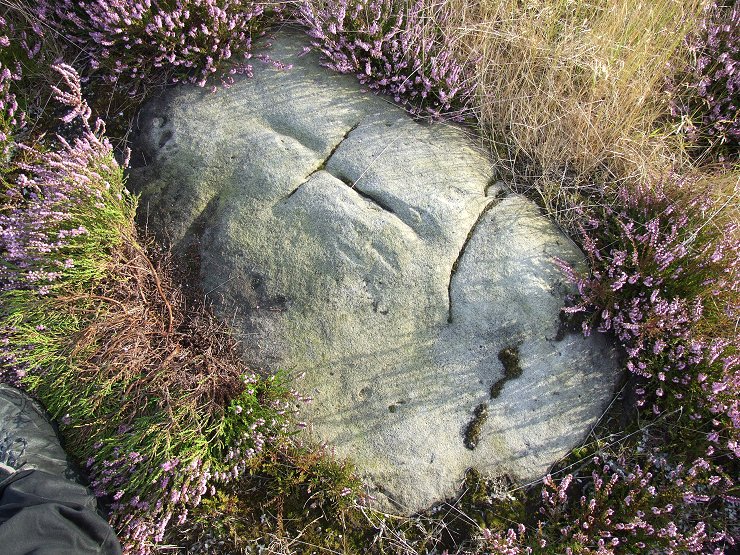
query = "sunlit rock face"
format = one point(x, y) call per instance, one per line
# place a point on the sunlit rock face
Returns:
point(378, 255)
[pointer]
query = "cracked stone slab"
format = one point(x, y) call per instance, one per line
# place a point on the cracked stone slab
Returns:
point(378, 255)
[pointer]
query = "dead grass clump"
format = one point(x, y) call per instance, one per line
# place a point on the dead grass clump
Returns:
point(572, 91)
point(161, 353)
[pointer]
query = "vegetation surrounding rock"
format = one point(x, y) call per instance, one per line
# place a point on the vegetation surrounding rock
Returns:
point(573, 96)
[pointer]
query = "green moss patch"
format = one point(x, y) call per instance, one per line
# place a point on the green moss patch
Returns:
point(509, 357)
point(473, 431)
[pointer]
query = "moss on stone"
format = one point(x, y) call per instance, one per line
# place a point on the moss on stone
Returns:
point(509, 357)
point(472, 432)
point(497, 387)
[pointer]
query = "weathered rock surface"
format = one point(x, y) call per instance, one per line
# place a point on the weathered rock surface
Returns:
point(376, 254)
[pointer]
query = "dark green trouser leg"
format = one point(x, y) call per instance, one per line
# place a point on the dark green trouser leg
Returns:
point(44, 514)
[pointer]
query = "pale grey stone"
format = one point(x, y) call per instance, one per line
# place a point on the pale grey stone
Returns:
point(378, 255)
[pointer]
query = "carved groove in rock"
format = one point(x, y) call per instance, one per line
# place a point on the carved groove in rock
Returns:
point(376, 200)
point(336, 146)
point(325, 161)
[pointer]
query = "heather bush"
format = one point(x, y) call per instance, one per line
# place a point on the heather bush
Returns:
point(665, 281)
point(100, 336)
point(44, 242)
point(11, 117)
point(707, 91)
point(394, 48)
point(640, 504)
point(150, 41)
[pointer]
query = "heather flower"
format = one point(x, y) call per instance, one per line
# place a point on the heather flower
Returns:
point(623, 506)
point(706, 93)
point(656, 269)
point(40, 232)
point(148, 489)
point(393, 48)
point(11, 117)
point(186, 41)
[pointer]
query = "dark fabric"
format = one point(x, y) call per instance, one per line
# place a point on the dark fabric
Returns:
point(26, 432)
point(43, 514)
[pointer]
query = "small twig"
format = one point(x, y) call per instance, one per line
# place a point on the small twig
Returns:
point(158, 283)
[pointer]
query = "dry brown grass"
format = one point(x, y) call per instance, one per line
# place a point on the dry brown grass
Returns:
point(150, 351)
point(570, 91)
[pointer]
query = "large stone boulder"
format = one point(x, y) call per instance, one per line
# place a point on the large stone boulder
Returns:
point(378, 255)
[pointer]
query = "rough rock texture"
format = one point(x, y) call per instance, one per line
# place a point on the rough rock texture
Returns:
point(378, 255)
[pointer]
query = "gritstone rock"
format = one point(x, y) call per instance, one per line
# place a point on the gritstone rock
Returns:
point(377, 254)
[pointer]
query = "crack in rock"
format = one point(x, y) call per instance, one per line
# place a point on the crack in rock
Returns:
point(336, 146)
point(377, 201)
point(324, 162)
point(501, 195)
point(302, 183)
point(373, 199)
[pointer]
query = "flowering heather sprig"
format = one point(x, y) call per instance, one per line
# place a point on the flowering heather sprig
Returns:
point(654, 508)
point(40, 228)
point(707, 94)
point(20, 34)
point(393, 48)
point(186, 40)
point(662, 276)
point(506, 543)
point(11, 118)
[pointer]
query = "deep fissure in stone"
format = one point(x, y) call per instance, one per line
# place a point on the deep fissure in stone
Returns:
point(373, 199)
point(324, 162)
point(377, 201)
point(500, 194)
point(336, 146)
point(491, 204)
